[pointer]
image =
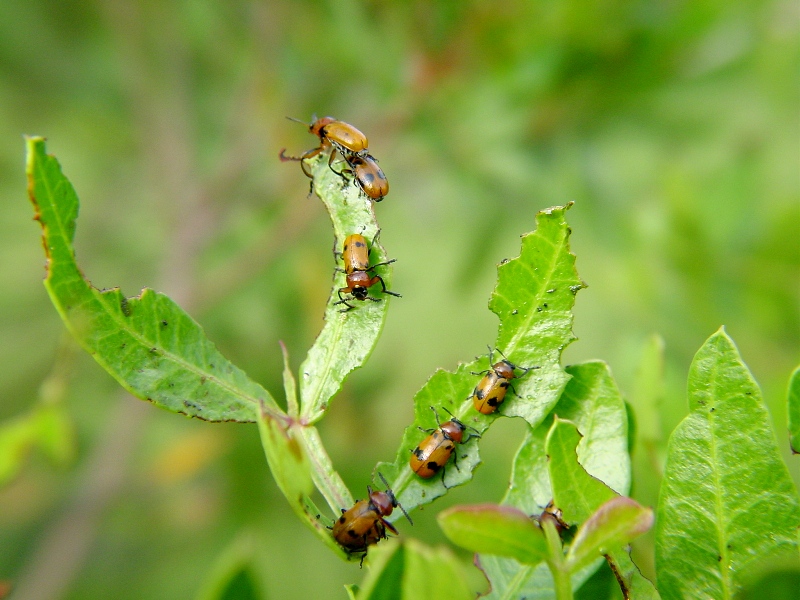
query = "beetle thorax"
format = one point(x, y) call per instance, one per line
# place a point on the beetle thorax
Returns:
point(382, 502)
point(504, 369)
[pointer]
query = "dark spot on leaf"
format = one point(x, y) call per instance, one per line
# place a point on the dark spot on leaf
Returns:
point(538, 309)
point(123, 346)
point(123, 306)
point(164, 323)
point(719, 558)
point(712, 409)
point(514, 312)
point(545, 305)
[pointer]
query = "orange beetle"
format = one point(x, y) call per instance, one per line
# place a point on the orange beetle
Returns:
point(491, 390)
point(364, 524)
point(355, 253)
point(434, 451)
point(342, 136)
point(368, 176)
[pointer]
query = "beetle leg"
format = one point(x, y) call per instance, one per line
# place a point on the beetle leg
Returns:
point(513, 389)
point(284, 158)
point(447, 487)
point(344, 300)
point(383, 285)
point(486, 372)
point(330, 165)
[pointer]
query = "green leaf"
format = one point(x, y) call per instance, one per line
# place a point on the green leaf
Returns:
point(409, 570)
point(592, 401)
point(347, 338)
point(615, 524)
point(495, 529)
point(283, 443)
point(534, 296)
point(147, 343)
point(629, 578)
point(793, 410)
point(575, 491)
point(727, 500)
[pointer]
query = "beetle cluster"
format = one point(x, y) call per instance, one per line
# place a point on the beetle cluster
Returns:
point(365, 522)
point(433, 453)
point(340, 138)
point(344, 139)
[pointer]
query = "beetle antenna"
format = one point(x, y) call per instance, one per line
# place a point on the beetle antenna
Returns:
point(297, 121)
point(400, 506)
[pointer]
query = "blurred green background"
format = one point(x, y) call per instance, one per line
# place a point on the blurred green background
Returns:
point(673, 126)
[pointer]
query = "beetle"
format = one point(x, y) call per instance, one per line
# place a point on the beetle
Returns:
point(491, 390)
point(345, 138)
point(552, 513)
point(367, 175)
point(364, 524)
point(355, 254)
point(434, 451)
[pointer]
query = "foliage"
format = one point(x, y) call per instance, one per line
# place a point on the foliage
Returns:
point(722, 459)
point(671, 126)
point(727, 502)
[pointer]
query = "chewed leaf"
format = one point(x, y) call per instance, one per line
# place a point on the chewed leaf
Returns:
point(534, 296)
point(575, 491)
point(727, 500)
point(347, 338)
point(148, 343)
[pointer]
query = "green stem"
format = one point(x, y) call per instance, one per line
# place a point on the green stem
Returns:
point(325, 477)
point(558, 567)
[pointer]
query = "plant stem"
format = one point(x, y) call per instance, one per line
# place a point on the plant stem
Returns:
point(558, 567)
